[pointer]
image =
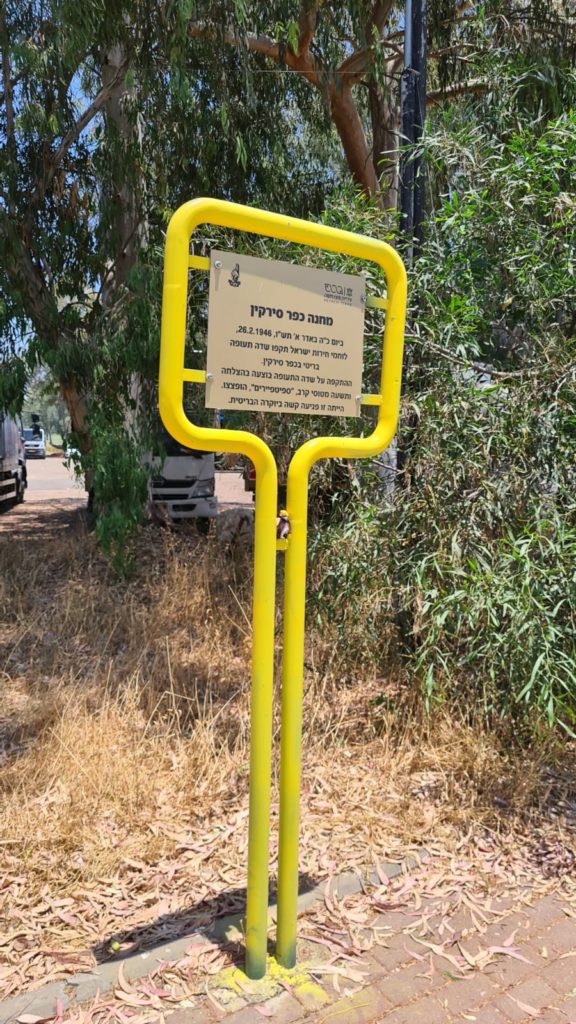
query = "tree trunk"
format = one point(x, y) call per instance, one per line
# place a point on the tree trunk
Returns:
point(131, 229)
point(385, 117)
point(128, 229)
point(350, 129)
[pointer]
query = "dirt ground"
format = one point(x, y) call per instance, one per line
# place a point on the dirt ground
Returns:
point(124, 752)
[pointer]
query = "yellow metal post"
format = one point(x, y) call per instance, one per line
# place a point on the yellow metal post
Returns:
point(261, 718)
point(295, 590)
point(291, 728)
point(173, 374)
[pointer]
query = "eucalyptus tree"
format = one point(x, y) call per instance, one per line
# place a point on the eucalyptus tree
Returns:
point(109, 117)
point(352, 55)
point(113, 112)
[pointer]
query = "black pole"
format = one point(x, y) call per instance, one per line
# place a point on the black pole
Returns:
point(408, 108)
point(413, 106)
point(420, 54)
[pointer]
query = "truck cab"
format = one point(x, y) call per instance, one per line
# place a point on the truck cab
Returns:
point(183, 482)
point(13, 479)
point(35, 442)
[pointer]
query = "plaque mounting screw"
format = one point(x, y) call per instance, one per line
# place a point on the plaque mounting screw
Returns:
point(209, 376)
point(218, 264)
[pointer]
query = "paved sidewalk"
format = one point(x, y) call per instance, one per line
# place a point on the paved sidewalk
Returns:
point(521, 969)
point(406, 945)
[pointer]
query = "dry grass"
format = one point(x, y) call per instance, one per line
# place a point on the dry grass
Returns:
point(124, 731)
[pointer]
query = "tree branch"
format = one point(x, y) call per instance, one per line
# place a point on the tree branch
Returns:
point(473, 86)
point(468, 363)
point(343, 109)
point(307, 25)
point(75, 131)
point(303, 63)
point(352, 136)
point(26, 275)
point(12, 81)
point(256, 43)
point(380, 13)
point(7, 96)
point(357, 64)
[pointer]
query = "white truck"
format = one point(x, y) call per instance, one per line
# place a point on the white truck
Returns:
point(183, 483)
point(34, 442)
point(13, 480)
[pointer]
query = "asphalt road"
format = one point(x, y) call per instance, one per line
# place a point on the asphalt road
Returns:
point(53, 492)
point(49, 479)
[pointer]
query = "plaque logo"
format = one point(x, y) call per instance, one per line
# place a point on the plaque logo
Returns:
point(234, 278)
point(337, 293)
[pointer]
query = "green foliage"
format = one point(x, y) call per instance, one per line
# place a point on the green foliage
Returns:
point(506, 615)
point(90, 180)
point(465, 581)
point(13, 375)
point(120, 488)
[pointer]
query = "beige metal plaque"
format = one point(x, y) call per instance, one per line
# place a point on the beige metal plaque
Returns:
point(283, 338)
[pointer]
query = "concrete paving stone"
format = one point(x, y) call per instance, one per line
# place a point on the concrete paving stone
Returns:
point(511, 1011)
point(284, 1008)
point(395, 920)
point(83, 987)
point(568, 1007)
point(506, 971)
point(486, 1015)
point(391, 956)
point(315, 990)
point(561, 974)
point(459, 921)
point(534, 993)
point(362, 1008)
point(39, 1004)
point(391, 869)
point(347, 884)
point(394, 939)
point(498, 932)
point(426, 1011)
point(314, 996)
point(311, 952)
point(545, 912)
point(561, 937)
point(467, 996)
point(202, 1014)
point(373, 969)
point(551, 1017)
point(408, 983)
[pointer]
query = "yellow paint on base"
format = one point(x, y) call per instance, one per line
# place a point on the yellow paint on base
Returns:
point(233, 990)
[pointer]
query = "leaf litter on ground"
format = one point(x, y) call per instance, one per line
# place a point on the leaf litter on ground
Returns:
point(112, 854)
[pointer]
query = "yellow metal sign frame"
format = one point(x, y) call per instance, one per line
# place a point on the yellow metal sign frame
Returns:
point(173, 375)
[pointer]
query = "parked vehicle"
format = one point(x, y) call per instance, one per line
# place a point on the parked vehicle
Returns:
point(249, 478)
point(34, 442)
point(183, 483)
point(13, 480)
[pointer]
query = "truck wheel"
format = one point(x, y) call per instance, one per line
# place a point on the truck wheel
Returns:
point(203, 525)
point(19, 491)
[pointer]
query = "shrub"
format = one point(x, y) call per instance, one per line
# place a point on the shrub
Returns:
point(466, 580)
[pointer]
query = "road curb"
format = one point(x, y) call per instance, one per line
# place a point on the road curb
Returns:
point(80, 988)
